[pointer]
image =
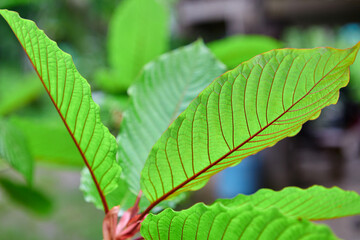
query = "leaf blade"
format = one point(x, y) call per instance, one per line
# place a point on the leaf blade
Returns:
point(160, 94)
point(220, 222)
point(14, 150)
point(71, 96)
point(138, 32)
point(256, 117)
point(314, 203)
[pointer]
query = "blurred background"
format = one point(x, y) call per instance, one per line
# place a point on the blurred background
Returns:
point(49, 205)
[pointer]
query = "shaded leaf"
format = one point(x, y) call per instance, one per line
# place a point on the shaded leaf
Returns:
point(164, 89)
point(242, 112)
point(314, 203)
point(14, 150)
point(236, 49)
point(49, 132)
point(14, 93)
point(71, 96)
point(138, 32)
point(26, 196)
point(220, 222)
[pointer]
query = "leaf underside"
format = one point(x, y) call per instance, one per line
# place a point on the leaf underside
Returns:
point(220, 222)
point(164, 90)
point(315, 203)
point(242, 112)
point(71, 96)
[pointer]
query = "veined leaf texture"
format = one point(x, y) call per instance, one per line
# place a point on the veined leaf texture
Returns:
point(315, 203)
point(164, 89)
point(71, 96)
point(228, 223)
point(245, 110)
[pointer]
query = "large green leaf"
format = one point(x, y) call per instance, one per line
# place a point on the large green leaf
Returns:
point(236, 49)
point(138, 33)
point(315, 203)
point(164, 89)
point(71, 96)
point(14, 150)
point(220, 222)
point(244, 111)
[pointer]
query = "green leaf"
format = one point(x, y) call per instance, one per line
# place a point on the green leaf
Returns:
point(236, 49)
point(164, 89)
point(49, 132)
point(15, 94)
point(138, 33)
point(71, 96)
point(28, 197)
point(314, 203)
point(220, 222)
point(242, 112)
point(14, 150)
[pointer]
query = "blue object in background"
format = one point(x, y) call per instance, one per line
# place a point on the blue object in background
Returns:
point(244, 178)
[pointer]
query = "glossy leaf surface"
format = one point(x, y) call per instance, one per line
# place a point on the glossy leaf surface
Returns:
point(244, 111)
point(14, 150)
point(164, 89)
point(138, 33)
point(71, 96)
point(236, 49)
point(315, 203)
point(219, 222)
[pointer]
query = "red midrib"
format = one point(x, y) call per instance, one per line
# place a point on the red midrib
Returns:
point(166, 195)
point(103, 199)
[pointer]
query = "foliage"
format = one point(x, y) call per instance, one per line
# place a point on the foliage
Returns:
point(245, 110)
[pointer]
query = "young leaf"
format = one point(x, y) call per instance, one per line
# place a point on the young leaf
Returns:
point(315, 203)
point(14, 150)
point(236, 49)
point(244, 111)
point(220, 222)
point(71, 96)
point(138, 33)
point(164, 89)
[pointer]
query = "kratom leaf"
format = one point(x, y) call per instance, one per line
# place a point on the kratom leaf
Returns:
point(220, 222)
point(242, 112)
point(71, 96)
point(314, 203)
point(50, 132)
point(138, 33)
point(32, 199)
point(236, 49)
point(164, 89)
point(14, 150)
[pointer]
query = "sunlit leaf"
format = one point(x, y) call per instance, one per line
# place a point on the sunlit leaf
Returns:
point(26, 196)
point(244, 111)
point(138, 33)
point(71, 96)
point(315, 203)
point(14, 150)
point(220, 222)
point(236, 49)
